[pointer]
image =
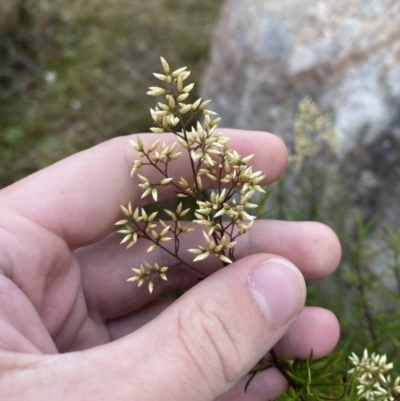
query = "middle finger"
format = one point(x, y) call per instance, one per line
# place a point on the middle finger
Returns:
point(106, 265)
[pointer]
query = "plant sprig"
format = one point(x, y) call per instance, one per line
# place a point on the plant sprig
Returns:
point(221, 212)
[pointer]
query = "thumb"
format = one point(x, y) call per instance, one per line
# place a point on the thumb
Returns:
point(201, 345)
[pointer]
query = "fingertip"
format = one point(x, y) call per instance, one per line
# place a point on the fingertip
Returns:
point(326, 330)
point(318, 251)
point(266, 385)
point(276, 156)
point(329, 250)
point(315, 331)
point(330, 324)
point(280, 155)
point(313, 247)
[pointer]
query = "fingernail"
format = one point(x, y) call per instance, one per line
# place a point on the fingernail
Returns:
point(280, 290)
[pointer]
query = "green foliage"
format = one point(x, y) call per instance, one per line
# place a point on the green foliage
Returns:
point(315, 379)
point(12, 136)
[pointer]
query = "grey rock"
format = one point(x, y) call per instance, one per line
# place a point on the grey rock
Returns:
point(268, 55)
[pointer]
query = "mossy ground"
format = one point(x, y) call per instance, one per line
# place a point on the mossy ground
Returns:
point(73, 74)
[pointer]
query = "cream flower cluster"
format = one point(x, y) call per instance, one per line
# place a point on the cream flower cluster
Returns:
point(373, 381)
point(209, 160)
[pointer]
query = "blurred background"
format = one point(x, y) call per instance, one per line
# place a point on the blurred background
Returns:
point(75, 73)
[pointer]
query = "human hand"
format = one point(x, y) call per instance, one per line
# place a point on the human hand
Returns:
point(72, 328)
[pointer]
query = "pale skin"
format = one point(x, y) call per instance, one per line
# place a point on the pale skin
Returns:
point(73, 328)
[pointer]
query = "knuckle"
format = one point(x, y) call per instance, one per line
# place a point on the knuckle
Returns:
point(212, 340)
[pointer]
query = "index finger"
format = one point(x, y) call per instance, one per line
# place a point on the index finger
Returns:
point(78, 198)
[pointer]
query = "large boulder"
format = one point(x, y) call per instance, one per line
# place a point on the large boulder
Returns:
point(268, 55)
